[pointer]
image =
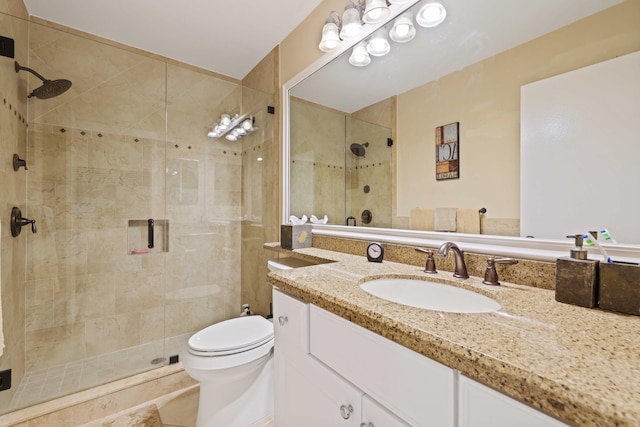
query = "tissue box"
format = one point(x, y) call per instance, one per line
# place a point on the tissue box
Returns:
point(620, 288)
point(295, 236)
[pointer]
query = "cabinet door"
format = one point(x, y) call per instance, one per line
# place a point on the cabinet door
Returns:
point(307, 392)
point(311, 395)
point(375, 415)
point(290, 324)
point(416, 388)
point(481, 406)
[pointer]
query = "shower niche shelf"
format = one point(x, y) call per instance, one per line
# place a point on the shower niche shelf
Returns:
point(147, 236)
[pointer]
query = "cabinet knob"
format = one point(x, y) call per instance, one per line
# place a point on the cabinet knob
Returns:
point(345, 411)
point(283, 320)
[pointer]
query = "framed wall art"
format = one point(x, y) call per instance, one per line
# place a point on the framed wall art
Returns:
point(448, 151)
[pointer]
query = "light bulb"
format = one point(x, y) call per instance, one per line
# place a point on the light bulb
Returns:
point(351, 22)
point(431, 15)
point(330, 37)
point(231, 137)
point(247, 125)
point(225, 120)
point(359, 55)
point(379, 45)
point(403, 29)
point(376, 11)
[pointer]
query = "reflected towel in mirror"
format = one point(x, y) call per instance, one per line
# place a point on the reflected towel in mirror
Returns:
point(444, 219)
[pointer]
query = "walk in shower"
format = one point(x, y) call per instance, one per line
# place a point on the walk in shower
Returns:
point(126, 143)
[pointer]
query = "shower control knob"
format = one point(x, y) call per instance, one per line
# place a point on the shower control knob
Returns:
point(283, 320)
point(345, 411)
point(17, 222)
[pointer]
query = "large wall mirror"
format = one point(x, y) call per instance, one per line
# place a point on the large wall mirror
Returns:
point(362, 140)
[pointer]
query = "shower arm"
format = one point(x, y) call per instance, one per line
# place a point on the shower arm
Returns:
point(35, 73)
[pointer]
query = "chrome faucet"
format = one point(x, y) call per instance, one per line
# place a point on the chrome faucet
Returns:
point(460, 267)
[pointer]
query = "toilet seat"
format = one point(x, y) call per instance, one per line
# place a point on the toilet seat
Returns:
point(231, 336)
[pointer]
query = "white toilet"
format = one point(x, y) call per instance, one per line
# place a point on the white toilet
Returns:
point(233, 361)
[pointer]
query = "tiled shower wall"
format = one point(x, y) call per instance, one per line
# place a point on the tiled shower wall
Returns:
point(13, 136)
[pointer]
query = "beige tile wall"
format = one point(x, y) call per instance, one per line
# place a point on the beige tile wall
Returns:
point(259, 184)
point(372, 170)
point(13, 137)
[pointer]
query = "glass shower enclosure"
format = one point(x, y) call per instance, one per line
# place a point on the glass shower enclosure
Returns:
point(139, 213)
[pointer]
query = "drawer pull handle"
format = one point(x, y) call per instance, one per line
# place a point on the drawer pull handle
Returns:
point(345, 411)
point(366, 425)
point(283, 320)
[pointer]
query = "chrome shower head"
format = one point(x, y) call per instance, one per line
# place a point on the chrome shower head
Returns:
point(49, 88)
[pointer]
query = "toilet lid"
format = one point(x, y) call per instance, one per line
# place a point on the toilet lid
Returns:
point(233, 335)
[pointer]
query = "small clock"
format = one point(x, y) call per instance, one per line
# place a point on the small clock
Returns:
point(375, 252)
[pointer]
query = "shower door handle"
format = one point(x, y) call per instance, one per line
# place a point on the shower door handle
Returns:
point(150, 228)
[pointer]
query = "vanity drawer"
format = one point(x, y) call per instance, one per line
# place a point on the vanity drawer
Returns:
point(290, 324)
point(416, 388)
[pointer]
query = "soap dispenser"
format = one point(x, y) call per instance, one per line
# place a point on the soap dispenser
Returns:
point(577, 277)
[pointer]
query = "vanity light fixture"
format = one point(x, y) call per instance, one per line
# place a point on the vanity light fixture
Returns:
point(431, 15)
point(232, 127)
point(359, 55)
point(403, 29)
point(376, 11)
point(378, 44)
point(357, 13)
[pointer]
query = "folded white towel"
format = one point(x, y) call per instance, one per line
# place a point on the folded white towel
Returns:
point(315, 220)
point(444, 219)
point(298, 221)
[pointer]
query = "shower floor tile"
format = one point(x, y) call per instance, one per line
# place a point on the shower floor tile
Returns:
point(46, 384)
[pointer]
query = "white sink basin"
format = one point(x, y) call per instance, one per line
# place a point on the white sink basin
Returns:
point(430, 295)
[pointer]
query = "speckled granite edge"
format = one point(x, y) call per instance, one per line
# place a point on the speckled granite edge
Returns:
point(578, 396)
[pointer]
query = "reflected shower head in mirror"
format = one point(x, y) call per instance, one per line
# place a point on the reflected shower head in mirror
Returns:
point(49, 88)
point(359, 149)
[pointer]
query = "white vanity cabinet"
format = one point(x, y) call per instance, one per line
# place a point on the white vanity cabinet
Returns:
point(481, 406)
point(332, 372)
point(316, 387)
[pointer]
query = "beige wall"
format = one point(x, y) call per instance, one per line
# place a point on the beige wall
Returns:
point(489, 114)
point(13, 138)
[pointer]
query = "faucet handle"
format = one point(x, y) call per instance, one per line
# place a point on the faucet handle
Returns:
point(491, 274)
point(430, 265)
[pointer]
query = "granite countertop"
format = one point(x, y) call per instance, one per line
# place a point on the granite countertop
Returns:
point(580, 365)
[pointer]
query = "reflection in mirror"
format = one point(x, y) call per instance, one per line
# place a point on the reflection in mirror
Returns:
point(341, 164)
point(469, 70)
